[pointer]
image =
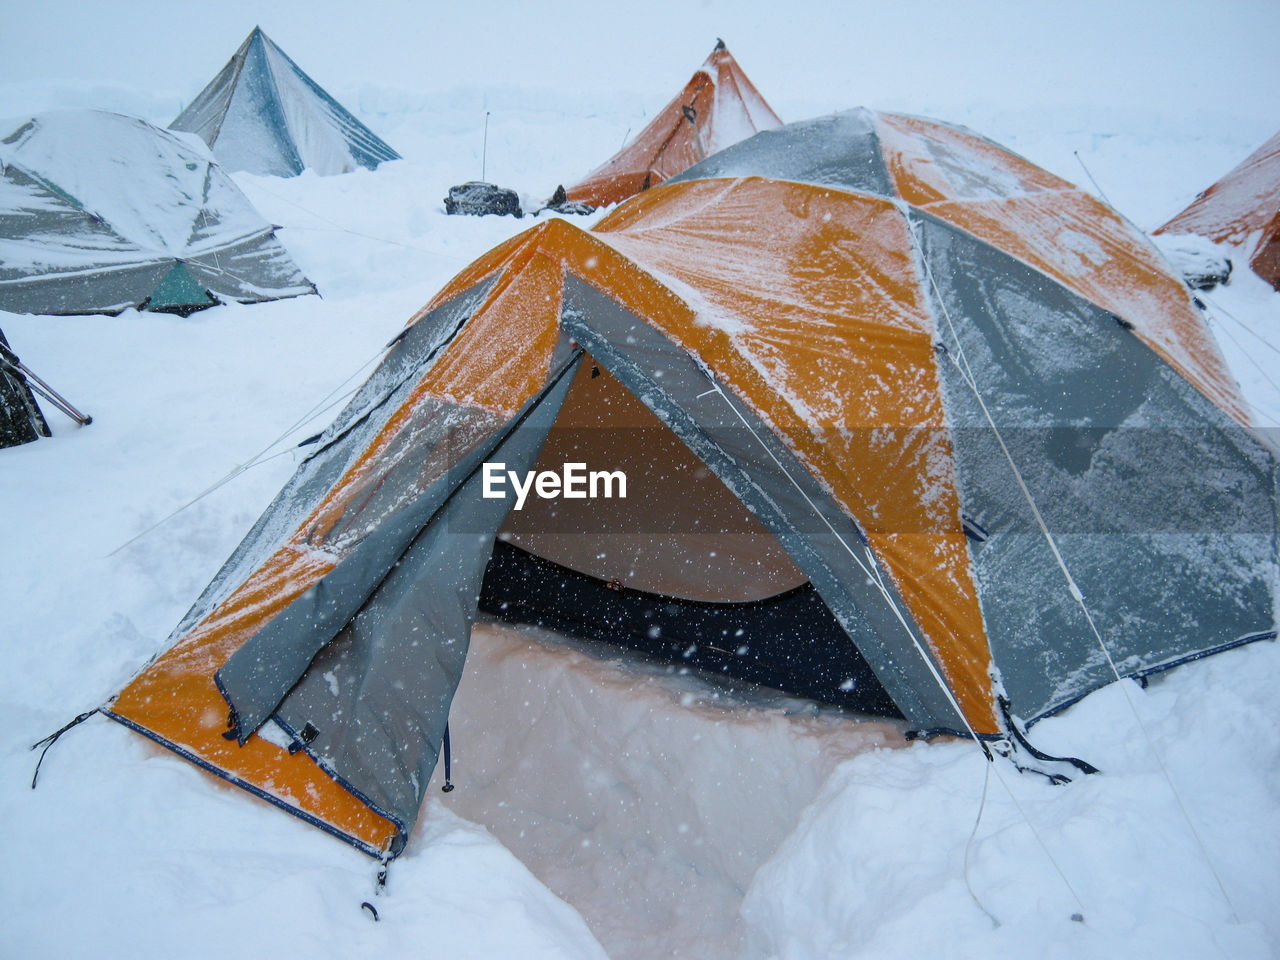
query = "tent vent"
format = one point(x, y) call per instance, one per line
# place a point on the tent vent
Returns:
point(973, 530)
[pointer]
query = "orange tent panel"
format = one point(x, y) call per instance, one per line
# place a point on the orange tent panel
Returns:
point(718, 107)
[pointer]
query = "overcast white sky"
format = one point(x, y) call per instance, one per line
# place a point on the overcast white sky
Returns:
point(824, 56)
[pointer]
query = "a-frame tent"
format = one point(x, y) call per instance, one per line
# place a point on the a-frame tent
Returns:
point(873, 374)
point(717, 108)
point(1242, 210)
point(100, 212)
point(264, 115)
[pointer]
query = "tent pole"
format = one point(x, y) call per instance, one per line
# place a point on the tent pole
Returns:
point(11, 361)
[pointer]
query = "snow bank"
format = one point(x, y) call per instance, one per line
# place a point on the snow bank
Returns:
point(1114, 848)
point(129, 851)
point(832, 844)
point(643, 796)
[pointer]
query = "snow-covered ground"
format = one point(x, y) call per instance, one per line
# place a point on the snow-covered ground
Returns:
point(603, 808)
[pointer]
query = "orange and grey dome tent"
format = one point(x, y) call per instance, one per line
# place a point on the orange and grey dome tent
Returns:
point(1243, 210)
point(717, 108)
point(903, 418)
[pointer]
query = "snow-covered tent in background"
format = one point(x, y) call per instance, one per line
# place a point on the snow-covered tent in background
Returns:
point(817, 356)
point(100, 212)
point(20, 418)
point(262, 114)
point(1241, 210)
point(717, 108)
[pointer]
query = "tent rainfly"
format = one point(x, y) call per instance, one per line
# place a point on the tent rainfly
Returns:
point(717, 108)
point(262, 114)
point(20, 418)
point(1241, 210)
point(100, 212)
point(808, 355)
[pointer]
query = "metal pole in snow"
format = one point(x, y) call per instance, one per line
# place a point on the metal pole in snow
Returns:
point(43, 389)
point(484, 150)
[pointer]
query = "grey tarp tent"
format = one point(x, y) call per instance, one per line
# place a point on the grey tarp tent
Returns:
point(262, 114)
point(816, 348)
point(100, 212)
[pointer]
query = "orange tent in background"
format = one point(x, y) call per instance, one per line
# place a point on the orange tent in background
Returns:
point(717, 108)
point(1243, 210)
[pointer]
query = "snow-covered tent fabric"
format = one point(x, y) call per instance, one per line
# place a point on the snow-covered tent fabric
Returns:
point(1243, 210)
point(262, 114)
point(798, 343)
point(100, 212)
point(20, 418)
point(718, 107)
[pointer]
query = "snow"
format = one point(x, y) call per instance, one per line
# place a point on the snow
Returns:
point(1100, 846)
point(660, 816)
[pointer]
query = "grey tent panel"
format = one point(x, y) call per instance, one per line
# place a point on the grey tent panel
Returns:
point(1162, 507)
point(97, 210)
point(841, 150)
point(367, 149)
point(379, 596)
point(203, 116)
point(378, 697)
point(108, 275)
point(262, 671)
point(36, 211)
point(737, 446)
point(429, 457)
point(107, 290)
point(408, 358)
point(263, 114)
point(253, 270)
point(253, 134)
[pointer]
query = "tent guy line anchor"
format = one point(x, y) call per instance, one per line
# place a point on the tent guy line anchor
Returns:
point(968, 846)
point(52, 738)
